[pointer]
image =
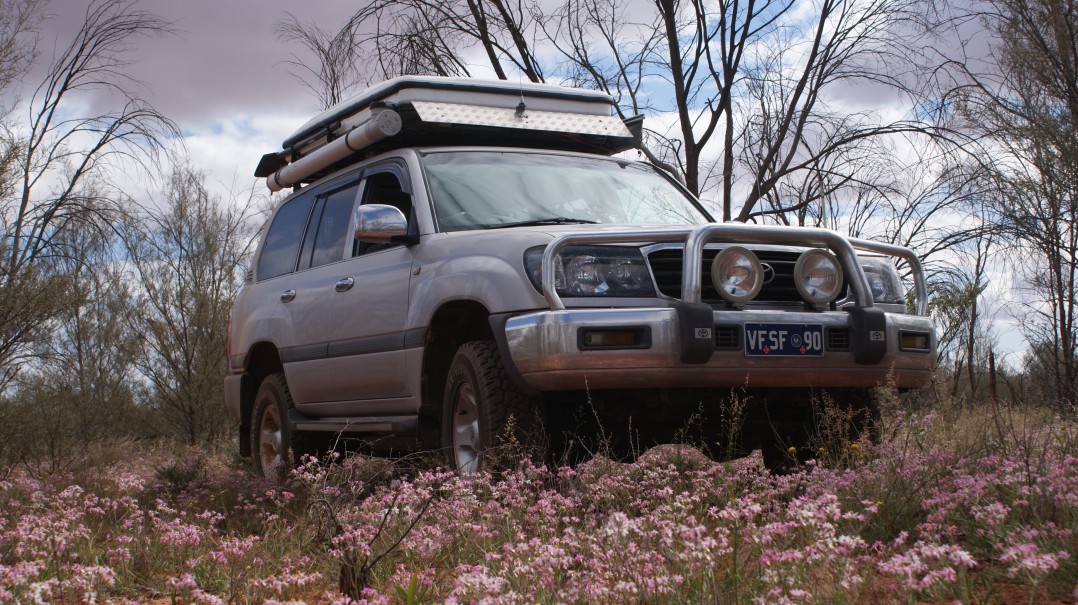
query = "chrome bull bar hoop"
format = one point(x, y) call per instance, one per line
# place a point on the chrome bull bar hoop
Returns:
point(696, 238)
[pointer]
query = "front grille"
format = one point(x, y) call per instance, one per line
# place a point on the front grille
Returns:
point(666, 266)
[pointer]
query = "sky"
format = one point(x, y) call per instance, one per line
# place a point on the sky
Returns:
point(223, 75)
point(223, 78)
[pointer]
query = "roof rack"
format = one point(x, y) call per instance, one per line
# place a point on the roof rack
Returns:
point(427, 111)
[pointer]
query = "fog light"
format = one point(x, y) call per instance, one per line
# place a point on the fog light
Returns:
point(737, 275)
point(617, 338)
point(914, 341)
point(818, 276)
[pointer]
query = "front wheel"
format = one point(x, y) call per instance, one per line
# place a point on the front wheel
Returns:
point(485, 413)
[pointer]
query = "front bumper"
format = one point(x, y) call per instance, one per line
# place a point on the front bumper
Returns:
point(545, 350)
point(680, 345)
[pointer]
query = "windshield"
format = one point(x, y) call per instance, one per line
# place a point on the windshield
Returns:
point(491, 190)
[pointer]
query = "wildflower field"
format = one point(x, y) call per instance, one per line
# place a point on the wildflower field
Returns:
point(960, 506)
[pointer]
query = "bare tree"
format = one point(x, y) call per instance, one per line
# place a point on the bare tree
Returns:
point(18, 20)
point(189, 258)
point(57, 147)
point(797, 126)
point(751, 85)
point(52, 164)
point(951, 301)
point(978, 284)
point(1023, 101)
point(335, 69)
point(925, 203)
point(687, 60)
point(748, 85)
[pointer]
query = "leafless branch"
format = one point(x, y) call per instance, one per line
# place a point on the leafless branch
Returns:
point(57, 147)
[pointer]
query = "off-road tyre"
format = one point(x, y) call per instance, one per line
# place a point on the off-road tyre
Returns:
point(488, 422)
point(275, 449)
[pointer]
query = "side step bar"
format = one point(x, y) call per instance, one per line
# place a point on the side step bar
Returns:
point(353, 424)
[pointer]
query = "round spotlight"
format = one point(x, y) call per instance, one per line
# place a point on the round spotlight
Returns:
point(818, 276)
point(737, 274)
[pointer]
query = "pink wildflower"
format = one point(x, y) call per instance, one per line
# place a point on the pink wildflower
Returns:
point(118, 555)
point(618, 525)
point(1028, 559)
point(925, 565)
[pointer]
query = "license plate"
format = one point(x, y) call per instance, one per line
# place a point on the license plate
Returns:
point(784, 339)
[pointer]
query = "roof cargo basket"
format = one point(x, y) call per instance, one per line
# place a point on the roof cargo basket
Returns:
point(426, 111)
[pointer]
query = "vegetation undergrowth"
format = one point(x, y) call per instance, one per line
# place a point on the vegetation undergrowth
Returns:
point(971, 505)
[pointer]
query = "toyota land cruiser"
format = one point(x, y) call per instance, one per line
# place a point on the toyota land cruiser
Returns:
point(460, 260)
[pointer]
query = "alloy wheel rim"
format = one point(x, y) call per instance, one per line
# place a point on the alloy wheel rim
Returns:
point(269, 442)
point(466, 430)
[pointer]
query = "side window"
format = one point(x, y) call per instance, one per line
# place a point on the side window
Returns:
point(308, 239)
point(283, 238)
point(333, 228)
point(385, 188)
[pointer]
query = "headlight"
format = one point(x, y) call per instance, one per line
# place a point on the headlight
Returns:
point(883, 280)
point(737, 274)
point(818, 276)
point(593, 271)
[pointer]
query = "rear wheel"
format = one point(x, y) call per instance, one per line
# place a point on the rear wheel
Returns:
point(274, 448)
point(487, 420)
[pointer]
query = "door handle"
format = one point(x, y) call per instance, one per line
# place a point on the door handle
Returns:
point(344, 284)
point(288, 295)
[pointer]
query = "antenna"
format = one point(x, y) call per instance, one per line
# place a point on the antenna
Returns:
point(522, 107)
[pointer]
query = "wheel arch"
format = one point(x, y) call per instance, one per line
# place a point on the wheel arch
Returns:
point(453, 324)
point(263, 360)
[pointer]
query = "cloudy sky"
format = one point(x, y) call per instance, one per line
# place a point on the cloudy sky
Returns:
point(221, 77)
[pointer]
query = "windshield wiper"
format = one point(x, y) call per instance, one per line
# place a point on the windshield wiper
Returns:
point(554, 220)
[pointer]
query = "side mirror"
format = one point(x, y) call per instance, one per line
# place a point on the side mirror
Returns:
point(379, 223)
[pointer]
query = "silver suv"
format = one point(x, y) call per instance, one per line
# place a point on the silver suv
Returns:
point(464, 263)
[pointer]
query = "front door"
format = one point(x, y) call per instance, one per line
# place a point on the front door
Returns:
point(365, 311)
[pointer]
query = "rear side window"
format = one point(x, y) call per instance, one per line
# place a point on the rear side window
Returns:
point(284, 238)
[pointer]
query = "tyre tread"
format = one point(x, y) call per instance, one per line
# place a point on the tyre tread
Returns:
point(502, 398)
point(507, 398)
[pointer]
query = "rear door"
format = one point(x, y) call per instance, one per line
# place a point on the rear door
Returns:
point(308, 297)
